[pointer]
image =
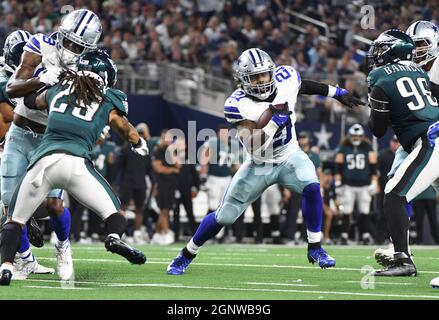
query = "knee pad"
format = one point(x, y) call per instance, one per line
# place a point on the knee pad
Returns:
point(228, 214)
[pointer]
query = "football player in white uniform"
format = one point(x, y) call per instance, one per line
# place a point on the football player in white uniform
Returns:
point(43, 60)
point(274, 154)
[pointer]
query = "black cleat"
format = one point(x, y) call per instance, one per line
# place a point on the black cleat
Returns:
point(133, 255)
point(402, 266)
point(34, 233)
point(6, 277)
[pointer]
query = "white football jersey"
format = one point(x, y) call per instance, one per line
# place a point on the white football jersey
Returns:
point(434, 72)
point(43, 46)
point(239, 107)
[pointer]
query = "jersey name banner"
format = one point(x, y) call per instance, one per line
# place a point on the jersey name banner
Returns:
point(74, 130)
point(239, 107)
point(413, 108)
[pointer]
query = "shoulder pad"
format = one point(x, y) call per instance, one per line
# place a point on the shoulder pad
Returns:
point(232, 106)
point(287, 74)
point(40, 44)
point(118, 99)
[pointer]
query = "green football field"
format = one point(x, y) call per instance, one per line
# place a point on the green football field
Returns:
point(248, 272)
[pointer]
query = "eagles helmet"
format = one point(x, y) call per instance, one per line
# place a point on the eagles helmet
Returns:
point(78, 33)
point(100, 63)
point(13, 48)
point(250, 64)
point(425, 35)
point(356, 134)
point(391, 46)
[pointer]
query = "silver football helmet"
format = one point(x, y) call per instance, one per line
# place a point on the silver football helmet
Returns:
point(425, 35)
point(250, 64)
point(82, 30)
point(13, 49)
point(356, 134)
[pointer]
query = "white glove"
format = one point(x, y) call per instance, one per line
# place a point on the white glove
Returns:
point(50, 76)
point(140, 147)
point(104, 133)
point(372, 189)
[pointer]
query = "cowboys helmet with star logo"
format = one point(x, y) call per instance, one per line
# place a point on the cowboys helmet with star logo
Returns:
point(425, 35)
point(250, 64)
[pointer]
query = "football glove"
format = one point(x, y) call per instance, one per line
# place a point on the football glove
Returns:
point(140, 147)
point(50, 60)
point(280, 108)
point(105, 132)
point(346, 98)
point(433, 133)
point(280, 119)
point(50, 76)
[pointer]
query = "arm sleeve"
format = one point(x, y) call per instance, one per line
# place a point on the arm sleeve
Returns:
point(435, 89)
point(313, 87)
point(380, 109)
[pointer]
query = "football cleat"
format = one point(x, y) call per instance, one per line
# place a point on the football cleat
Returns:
point(119, 247)
point(179, 265)
point(384, 257)
point(25, 268)
point(401, 266)
point(435, 283)
point(34, 233)
point(5, 278)
point(321, 257)
point(39, 269)
point(64, 262)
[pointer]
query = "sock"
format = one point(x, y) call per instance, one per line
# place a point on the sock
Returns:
point(24, 243)
point(114, 235)
point(27, 255)
point(115, 223)
point(11, 237)
point(312, 210)
point(192, 247)
point(208, 229)
point(397, 221)
point(61, 225)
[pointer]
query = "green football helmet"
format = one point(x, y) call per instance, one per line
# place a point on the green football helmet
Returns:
point(13, 48)
point(100, 63)
point(391, 46)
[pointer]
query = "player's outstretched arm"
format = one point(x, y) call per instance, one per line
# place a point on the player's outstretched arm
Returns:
point(340, 94)
point(380, 109)
point(126, 130)
point(22, 81)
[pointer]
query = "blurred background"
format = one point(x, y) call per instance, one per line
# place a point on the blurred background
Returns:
point(174, 60)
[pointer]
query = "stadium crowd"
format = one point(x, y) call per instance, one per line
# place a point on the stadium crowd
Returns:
point(211, 34)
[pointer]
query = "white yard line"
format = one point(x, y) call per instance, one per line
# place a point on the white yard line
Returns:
point(63, 288)
point(239, 265)
point(178, 286)
point(280, 284)
point(390, 283)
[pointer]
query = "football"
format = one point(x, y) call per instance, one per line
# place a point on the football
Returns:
point(267, 115)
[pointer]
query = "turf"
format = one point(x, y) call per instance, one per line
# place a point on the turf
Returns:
point(243, 272)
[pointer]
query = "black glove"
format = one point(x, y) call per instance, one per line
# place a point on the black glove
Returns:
point(346, 98)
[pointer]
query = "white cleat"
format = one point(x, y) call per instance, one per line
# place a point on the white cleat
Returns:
point(39, 269)
point(435, 283)
point(64, 265)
